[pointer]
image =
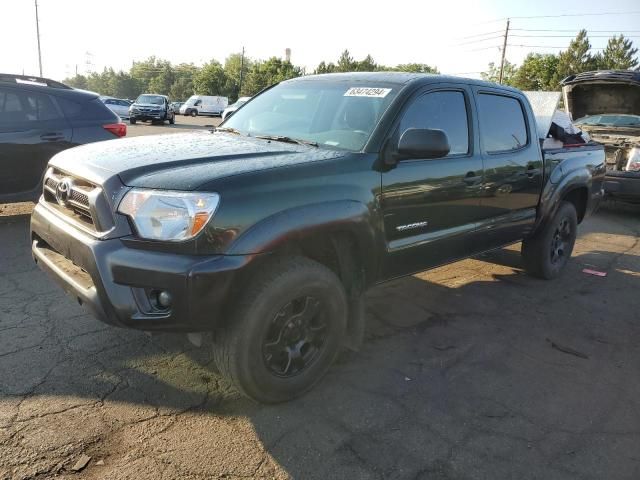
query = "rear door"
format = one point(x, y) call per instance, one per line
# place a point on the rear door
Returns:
point(32, 130)
point(430, 206)
point(513, 174)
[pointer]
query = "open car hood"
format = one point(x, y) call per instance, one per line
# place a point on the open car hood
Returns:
point(602, 92)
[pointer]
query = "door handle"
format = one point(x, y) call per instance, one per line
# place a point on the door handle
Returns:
point(471, 178)
point(532, 170)
point(52, 137)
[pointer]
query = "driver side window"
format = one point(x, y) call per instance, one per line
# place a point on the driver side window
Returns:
point(443, 110)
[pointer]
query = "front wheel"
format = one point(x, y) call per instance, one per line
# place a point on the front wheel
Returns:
point(286, 331)
point(172, 119)
point(548, 251)
point(193, 113)
point(132, 120)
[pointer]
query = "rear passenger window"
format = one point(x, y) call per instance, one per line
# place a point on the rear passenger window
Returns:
point(502, 124)
point(92, 109)
point(17, 106)
point(446, 111)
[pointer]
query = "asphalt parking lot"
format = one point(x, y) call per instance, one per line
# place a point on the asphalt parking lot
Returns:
point(470, 371)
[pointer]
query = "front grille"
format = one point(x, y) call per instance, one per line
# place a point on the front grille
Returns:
point(71, 196)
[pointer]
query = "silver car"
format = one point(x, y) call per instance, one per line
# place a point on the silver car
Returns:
point(234, 106)
point(118, 106)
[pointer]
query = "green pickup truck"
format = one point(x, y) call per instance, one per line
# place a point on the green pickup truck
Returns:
point(268, 230)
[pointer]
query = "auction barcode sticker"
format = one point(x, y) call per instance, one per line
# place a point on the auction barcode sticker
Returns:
point(367, 92)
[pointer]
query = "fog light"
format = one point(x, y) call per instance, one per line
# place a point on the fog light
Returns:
point(164, 299)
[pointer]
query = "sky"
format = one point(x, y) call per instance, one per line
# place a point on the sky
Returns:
point(458, 37)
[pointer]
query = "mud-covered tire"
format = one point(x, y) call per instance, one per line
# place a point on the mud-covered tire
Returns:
point(250, 351)
point(546, 253)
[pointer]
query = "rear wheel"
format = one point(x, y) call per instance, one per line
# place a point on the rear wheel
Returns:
point(285, 332)
point(548, 251)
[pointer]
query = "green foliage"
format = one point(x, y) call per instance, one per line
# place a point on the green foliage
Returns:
point(537, 72)
point(266, 73)
point(211, 79)
point(416, 68)
point(346, 63)
point(546, 71)
point(493, 73)
point(619, 54)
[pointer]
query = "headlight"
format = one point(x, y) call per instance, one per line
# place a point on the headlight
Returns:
point(166, 215)
point(633, 164)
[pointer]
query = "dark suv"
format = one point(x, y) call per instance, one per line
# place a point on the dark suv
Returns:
point(151, 107)
point(39, 118)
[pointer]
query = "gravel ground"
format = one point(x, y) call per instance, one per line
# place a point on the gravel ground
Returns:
point(470, 371)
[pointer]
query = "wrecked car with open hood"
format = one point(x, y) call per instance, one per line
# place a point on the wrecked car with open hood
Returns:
point(606, 105)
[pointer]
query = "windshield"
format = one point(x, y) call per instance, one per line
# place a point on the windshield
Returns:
point(332, 114)
point(610, 120)
point(150, 99)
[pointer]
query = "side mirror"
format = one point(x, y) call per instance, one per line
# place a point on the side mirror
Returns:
point(423, 143)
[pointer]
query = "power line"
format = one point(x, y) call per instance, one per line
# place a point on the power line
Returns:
point(569, 36)
point(549, 46)
point(502, 19)
point(572, 30)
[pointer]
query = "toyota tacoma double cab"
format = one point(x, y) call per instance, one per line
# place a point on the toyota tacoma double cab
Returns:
point(268, 230)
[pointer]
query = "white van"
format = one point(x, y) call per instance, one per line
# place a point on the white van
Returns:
point(204, 105)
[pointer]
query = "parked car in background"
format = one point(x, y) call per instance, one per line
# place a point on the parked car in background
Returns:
point(204, 105)
point(176, 106)
point(151, 107)
point(118, 106)
point(270, 229)
point(234, 106)
point(39, 118)
point(606, 105)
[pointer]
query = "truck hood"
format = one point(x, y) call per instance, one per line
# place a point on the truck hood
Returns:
point(593, 97)
point(182, 161)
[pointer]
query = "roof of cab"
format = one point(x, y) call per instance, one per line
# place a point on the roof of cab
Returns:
point(399, 78)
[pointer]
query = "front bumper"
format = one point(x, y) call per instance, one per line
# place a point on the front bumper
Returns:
point(115, 281)
point(142, 116)
point(623, 185)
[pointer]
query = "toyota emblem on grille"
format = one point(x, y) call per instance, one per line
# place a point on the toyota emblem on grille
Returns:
point(63, 190)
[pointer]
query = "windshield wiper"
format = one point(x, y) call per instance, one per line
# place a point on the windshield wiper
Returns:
point(285, 139)
point(227, 129)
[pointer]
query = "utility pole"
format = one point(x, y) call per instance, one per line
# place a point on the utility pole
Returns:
point(241, 71)
point(504, 51)
point(38, 34)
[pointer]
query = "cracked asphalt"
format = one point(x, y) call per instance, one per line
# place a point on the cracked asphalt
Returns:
point(470, 371)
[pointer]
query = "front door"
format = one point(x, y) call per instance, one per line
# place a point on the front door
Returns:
point(431, 205)
point(32, 130)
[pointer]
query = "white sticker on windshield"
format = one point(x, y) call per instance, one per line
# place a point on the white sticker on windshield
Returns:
point(367, 92)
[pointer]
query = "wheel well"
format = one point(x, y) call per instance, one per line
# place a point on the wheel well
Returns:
point(578, 196)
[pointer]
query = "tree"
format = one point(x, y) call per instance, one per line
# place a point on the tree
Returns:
point(182, 87)
point(493, 73)
point(619, 55)
point(325, 67)
point(537, 72)
point(77, 81)
point(576, 58)
point(416, 68)
point(266, 73)
point(211, 79)
point(345, 62)
point(233, 66)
